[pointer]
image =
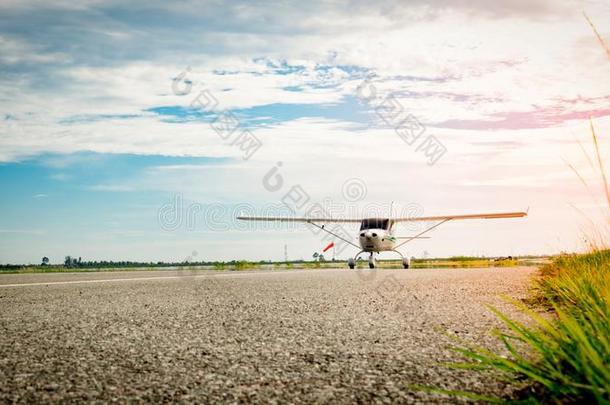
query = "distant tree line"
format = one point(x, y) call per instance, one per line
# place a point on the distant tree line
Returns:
point(73, 262)
point(79, 263)
point(10, 266)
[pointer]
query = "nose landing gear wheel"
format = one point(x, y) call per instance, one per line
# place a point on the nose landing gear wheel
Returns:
point(406, 263)
point(351, 263)
point(372, 262)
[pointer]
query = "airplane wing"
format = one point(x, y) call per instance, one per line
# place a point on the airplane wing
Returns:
point(441, 219)
point(300, 219)
point(404, 219)
point(469, 216)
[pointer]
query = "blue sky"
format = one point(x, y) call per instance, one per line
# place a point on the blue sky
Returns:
point(95, 141)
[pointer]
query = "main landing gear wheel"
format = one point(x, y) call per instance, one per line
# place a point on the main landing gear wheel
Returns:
point(351, 263)
point(406, 263)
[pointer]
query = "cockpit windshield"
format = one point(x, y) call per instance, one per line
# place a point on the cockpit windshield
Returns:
point(374, 223)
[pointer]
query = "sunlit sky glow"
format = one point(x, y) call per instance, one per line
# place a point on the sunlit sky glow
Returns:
point(94, 141)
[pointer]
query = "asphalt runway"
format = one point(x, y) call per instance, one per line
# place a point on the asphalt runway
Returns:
point(298, 336)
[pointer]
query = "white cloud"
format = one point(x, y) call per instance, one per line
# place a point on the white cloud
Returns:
point(64, 90)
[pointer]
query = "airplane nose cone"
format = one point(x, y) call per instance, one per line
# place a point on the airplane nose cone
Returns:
point(369, 235)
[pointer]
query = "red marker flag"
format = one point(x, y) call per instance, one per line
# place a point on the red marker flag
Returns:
point(331, 244)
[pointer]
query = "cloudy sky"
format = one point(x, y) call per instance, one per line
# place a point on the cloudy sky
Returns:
point(138, 131)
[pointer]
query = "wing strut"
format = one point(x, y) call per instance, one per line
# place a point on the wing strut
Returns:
point(421, 233)
point(334, 234)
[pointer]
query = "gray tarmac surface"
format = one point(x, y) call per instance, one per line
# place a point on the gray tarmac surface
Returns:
point(297, 336)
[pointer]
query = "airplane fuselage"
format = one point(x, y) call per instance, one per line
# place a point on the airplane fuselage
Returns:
point(376, 240)
point(376, 235)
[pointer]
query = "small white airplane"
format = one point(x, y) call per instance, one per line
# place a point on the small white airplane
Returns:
point(377, 234)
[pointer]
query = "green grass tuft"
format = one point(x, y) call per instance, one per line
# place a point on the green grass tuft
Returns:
point(567, 356)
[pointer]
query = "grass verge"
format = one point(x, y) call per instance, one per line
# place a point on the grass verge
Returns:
point(566, 357)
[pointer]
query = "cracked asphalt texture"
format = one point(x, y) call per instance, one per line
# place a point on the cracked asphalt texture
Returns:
point(297, 336)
